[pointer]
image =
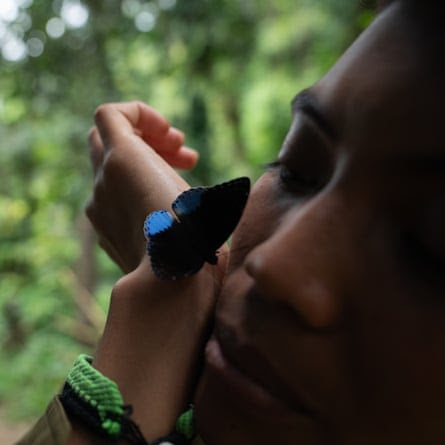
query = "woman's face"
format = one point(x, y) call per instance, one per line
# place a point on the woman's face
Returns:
point(330, 328)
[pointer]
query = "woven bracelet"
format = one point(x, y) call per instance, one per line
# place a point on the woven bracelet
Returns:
point(96, 401)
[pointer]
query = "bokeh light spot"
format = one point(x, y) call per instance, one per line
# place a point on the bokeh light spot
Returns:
point(25, 3)
point(35, 46)
point(74, 14)
point(130, 8)
point(14, 49)
point(145, 21)
point(55, 27)
point(9, 10)
point(166, 4)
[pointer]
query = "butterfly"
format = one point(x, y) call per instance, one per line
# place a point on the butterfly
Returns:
point(204, 217)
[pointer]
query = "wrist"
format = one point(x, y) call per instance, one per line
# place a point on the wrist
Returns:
point(98, 413)
point(153, 338)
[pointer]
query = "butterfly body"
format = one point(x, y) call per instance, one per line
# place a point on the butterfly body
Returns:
point(204, 218)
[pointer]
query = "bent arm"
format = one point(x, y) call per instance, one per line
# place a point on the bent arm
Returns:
point(155, 330)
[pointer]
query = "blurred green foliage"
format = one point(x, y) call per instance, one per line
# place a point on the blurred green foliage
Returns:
point(224, 71)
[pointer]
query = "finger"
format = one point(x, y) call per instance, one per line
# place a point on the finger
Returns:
point(185, 158)
point(96, 149)
point(170, 142)
point(115, 119)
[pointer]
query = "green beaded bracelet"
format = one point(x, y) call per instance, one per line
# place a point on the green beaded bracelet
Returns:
point(95, 400)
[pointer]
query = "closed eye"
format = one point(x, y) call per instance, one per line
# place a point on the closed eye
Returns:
point(294, 181)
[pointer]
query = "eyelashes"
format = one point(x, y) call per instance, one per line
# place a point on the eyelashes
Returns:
point(296, 181)
point(270, 165)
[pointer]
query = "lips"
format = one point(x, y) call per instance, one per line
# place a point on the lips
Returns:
point(244, 371)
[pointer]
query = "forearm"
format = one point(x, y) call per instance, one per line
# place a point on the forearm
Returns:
point(155, 330)
point(133, 149)
point(151, 346)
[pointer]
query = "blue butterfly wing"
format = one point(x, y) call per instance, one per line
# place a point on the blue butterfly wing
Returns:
point(171, 254)
point(189, 201)
point(211, 214)
point(157, 223)
point(206, 218)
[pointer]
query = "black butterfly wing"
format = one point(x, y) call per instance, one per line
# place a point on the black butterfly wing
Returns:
point(171, 253)
point(210, 214)
point(207, 216)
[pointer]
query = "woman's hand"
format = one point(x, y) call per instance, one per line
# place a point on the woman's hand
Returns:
point(152, 346)
point(155, 330)
point(153, 341)
point(133, 149)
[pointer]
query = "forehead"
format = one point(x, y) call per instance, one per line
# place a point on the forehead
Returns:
point(385, 95)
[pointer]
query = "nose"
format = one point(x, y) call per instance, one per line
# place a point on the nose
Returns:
point(306, 264)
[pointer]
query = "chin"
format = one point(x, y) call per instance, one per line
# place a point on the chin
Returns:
point(225, 414)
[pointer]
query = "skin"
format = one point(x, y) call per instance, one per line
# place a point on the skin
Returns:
point(119, 207)
point(154, 328)
point(333, 304)
point(329, 324)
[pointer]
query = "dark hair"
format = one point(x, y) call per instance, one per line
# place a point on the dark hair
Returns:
point(427, 15)
point(429, 7)
point(431, 10)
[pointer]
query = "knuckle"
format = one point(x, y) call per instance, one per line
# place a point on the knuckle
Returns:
point(121, 289)
point(90, 209)
point(92, 135)
point(102, 244)
point(97, 201)
point(101, 111)
point(138, 103)
point(92, 213)
point(112, 166)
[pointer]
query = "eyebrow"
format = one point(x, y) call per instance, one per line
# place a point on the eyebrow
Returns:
point(307, 103)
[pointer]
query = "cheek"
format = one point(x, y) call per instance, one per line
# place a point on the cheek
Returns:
point(260, 218)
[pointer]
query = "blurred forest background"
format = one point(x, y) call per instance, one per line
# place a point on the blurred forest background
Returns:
point(224, 71)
